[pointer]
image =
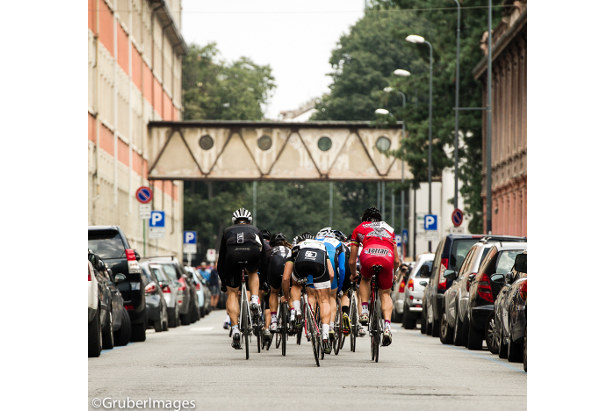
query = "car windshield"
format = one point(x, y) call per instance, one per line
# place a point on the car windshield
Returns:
point(107, 244)
point(169, 270)
point(459, 250)
point(506, 260)
point(159, 274)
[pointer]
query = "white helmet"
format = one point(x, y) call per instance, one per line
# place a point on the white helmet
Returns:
point(242, 213)
point(326, 232)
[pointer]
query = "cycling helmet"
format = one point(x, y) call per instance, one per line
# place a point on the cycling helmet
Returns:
point(325, 232)
point(266, 234)
point(278, 239)
point(371, 214)
point(242, 214)
point(339, 235)
point(304, 236)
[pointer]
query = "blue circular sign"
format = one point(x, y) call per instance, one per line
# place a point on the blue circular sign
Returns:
point(457, 217)
point(144, 195)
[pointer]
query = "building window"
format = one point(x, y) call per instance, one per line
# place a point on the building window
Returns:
point(264, 142)
point(324, 143)
point(383, 143)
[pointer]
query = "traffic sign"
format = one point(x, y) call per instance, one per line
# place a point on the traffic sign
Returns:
point(189, 237)
point(156, 219)
point(457, 217)
point(398, 240)
point(145, 211)
point(211, 255)
point(156, 232)
point(144, 194)
point(404, 235)
point(431, 222)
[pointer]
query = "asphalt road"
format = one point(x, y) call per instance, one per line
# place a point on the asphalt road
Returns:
point(196, 363)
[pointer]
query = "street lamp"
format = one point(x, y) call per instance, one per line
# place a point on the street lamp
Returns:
point(413, 38)
point(456, 200)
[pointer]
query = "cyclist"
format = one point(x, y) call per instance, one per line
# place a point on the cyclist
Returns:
point(337, 256)
point(379, 247)
point(280, 251)
point(240, 242)
point(346, 286)
point(263, 292)
point(308, 259)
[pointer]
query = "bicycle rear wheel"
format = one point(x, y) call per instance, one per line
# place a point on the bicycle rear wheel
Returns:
point(311, 330)
point(354, 326)
point(244, 327)
point(377, 330)
point(283, 329)
point(338, 328)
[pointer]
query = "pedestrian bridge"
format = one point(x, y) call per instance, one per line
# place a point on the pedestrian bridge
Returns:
point(272, 150)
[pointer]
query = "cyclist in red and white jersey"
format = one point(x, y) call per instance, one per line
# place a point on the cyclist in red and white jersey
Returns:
point(379, 247)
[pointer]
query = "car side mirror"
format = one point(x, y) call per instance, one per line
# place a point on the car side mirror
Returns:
point(497, 278)
point(119, 278)
point(450, 274)
point(423, 283)
point(509, 277)
point(471, 277)
point(137, 255)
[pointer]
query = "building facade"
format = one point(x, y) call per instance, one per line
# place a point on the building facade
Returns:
point(134, 76)
point(509, 121)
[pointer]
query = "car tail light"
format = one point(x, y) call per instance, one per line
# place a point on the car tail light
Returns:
point(150, 288)
point(129, 307)
point(166, 289)
point(402, 285)
point(523, 291)
point(133, 265)
point(410, 285)
point(198, 287)
point(484, 288)
point(182, 287)
point(89, 274)
point(468, 281)
point(411, 297)
point(442, 280)
point(130, 254)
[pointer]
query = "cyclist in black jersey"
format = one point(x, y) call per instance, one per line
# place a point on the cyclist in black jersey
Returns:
point(280, 251)
point(242, 245)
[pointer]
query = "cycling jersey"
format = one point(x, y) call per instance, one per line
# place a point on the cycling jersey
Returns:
point(378, 240)
point(239, 243)
point(337, 256)
point(275, 268)
point(309, 260)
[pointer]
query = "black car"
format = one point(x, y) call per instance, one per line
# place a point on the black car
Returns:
point(449, 255)
point(110, 244)
point(157, 315)
point(485, 287)
point(509, 327)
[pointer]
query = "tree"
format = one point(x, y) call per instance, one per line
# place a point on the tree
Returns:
point(363, 64)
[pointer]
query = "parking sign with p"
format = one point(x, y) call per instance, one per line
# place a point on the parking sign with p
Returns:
point(431, 222)
point(156, 219)
point(189, 237)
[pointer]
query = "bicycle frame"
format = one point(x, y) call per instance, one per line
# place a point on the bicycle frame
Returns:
point(375, 314)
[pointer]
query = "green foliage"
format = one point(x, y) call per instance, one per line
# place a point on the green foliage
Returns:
point(363, 65)
point(217, 90)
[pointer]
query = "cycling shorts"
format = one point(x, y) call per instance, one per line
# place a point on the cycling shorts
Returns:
point(315, 272)
point(275, 270)
point(378, 255)
point(249, 253)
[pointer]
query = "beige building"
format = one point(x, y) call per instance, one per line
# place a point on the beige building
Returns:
point(134, 67)
point(509, 124)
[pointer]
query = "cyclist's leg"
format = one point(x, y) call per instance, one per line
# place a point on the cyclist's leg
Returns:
point(232, 304)
point(332, 308)
point(273, 306)
point(253, 284)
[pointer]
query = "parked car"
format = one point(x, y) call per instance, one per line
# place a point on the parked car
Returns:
point(110, 244)
point(202, 291)
point(170, 290)
point(188, 312)
point(452, 328)
point(116, 326)
point(486, 285)
point(418, 278)
point(450, 253)
point(397, 293)
point(157, 314)
point(509, 323)
point(95, 313)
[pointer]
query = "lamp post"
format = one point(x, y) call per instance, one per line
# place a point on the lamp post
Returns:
point(420, 40)
point(456, 199)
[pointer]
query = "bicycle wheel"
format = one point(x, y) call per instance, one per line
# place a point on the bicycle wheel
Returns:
point(354, 327)
point(378, 329)
point(244, 326)
point(310, 326)
point(338, 328)
point(283, 320)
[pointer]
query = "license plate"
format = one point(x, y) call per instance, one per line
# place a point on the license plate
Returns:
point(135, 286)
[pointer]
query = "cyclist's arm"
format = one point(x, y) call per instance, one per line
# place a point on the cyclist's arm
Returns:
point(397, 262)
point(288, 269)
point(341, 264)
point(352, 261)
point(330, 268)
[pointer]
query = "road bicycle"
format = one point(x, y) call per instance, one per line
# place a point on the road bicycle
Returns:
point(353, 313)
point(281, 335)
point(337, 325)
point(248, 323)
point(375, 314)
point(312, 331)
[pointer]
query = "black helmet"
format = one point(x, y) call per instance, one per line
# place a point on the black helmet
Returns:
point(304, 236)
point(371, 214)
point(242, 214)
point(278, 239)
point(266, 234)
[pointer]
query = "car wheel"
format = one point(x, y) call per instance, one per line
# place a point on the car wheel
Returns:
point(435, 328)
point(184, 319)
point(465, 330)
point(158, 324)
point(423, 325)
point(94, 337)
point(503, 348)
point(172, 317)
point(525, 350)
point(490, 336)
point(194, 313)
point(165, 323)
point(138, 331)
point(405, 321)
point(446, 332)
point(107, 338)
point(122, 336)
point(475, 338)
point(515, 351)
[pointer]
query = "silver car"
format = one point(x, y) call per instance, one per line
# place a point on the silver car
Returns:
point(397, 293)
point(171, 290)
point(415, 289)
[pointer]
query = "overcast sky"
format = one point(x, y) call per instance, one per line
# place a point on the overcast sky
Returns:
point(294, 37)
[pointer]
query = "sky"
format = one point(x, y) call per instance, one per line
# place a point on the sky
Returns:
point(294, 37)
